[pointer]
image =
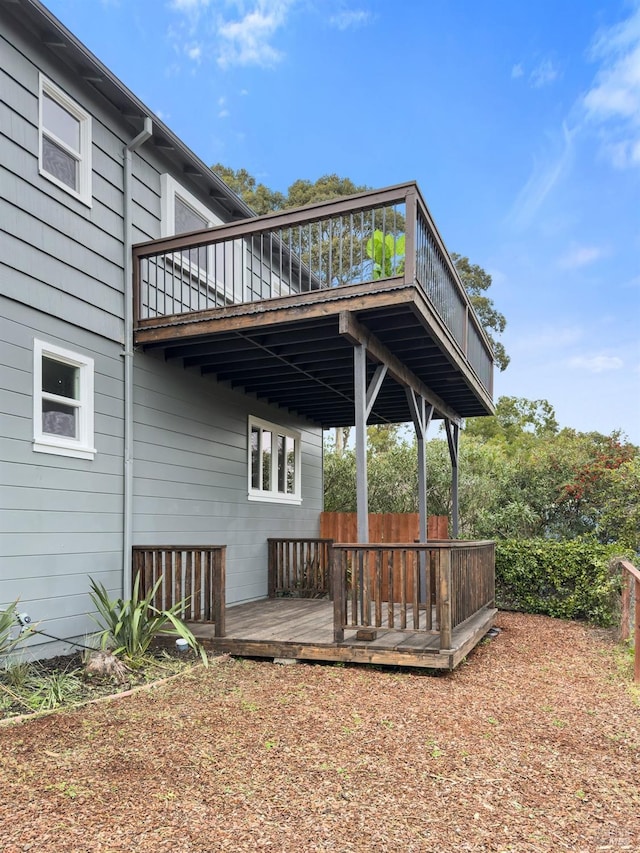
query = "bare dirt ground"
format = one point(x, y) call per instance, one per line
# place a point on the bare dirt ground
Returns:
point(532, 745)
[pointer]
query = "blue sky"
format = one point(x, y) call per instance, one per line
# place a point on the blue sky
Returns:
point(519, 120)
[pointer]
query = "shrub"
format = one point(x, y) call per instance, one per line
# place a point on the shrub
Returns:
point(569, 579)
point(128, 627)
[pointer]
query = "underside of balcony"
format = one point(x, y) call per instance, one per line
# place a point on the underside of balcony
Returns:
point(290, 338)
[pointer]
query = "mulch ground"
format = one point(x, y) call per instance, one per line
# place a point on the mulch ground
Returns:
point(533, 744)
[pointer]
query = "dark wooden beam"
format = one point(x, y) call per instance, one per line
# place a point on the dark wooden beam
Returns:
point(316, 305)
point(358, 334)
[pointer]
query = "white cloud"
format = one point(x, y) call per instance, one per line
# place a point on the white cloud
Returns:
point(597, 363)
point(543, 74)
point(613, 101)
point(581, 256)
point(544, 177)
point(235, 32)
point(188, 5)
point(194, 52)
point(350, 19)
point(246, 41)
point(517, 71)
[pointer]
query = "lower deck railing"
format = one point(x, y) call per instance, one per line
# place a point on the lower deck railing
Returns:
point(193, 575)
point(407, 587)
point(411, 587)
point(299, 568)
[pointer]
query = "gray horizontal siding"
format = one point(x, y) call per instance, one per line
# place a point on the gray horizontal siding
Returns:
point(191, 476)
point(61, 280)
point(60, 517)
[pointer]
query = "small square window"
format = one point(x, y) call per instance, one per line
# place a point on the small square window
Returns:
point(274, 463)
point(62, 402)
point(65, 142)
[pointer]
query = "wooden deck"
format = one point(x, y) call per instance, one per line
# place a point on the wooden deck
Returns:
point(303, 629)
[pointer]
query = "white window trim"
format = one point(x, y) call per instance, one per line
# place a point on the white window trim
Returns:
point(169, 189)
point(44, 442)
point(83, 156)
point(275, 496)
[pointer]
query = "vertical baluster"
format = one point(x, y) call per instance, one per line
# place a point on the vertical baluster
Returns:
point(188, 588)
point(403, 588)
point(390, 590)
point(197, 587)
point(378, 587)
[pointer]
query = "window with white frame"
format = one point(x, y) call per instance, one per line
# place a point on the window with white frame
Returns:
point(274, 462)
point(65, 141)
point(215, 275)
point(62, 402)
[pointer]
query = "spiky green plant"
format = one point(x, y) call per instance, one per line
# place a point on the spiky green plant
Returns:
point(8, 622)
point(129, 627)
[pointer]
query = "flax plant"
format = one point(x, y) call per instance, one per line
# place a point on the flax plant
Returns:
point(8, 622)
point(129, 627)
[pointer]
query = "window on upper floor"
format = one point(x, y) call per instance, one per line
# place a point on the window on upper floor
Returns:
point(274, 462)
point(65, 142)
point(215, 272)
point(62, 402)
point(182, 212)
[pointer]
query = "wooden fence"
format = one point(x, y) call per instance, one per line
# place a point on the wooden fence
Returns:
point(191, 574)
point(383, 527)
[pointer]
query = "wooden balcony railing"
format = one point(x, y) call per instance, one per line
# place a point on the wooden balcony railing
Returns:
point(194, 574)
point(354, 240)
point(410, 587)
point(299, 568)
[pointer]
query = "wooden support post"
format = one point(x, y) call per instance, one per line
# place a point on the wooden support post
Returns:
point(360, 403)
point(421, 414)
point(631, 580)
point(636, 669)
point(411, 214)
point(271, 568)
point(338, 584)
point(219, 591)
point(453, 438)
point(445, 599)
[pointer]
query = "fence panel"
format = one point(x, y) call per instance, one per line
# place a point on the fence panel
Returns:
point(299, 567)
point(383, 527)
point(191, 574)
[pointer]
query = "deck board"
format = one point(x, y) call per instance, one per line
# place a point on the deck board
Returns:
point(303, 629)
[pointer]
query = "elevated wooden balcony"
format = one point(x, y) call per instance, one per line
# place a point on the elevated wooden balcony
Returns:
point(275, 304)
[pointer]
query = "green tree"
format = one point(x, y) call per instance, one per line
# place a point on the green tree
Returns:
point(257, 196)
point(515, 419)
point(326, 188)
point(520, 478)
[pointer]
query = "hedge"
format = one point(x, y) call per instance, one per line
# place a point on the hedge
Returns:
point(571, 579)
